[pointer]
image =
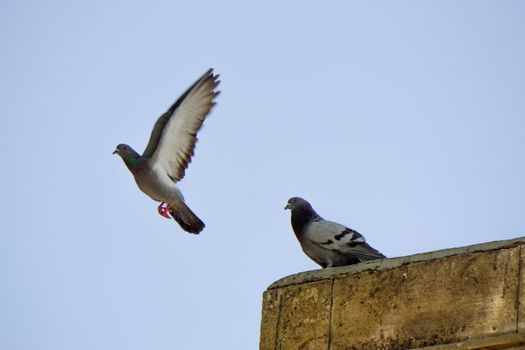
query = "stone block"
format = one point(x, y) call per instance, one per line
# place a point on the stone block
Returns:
point(462, 298)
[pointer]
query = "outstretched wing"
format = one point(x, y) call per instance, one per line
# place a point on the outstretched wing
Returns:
point(333, 236)
point(172, 141)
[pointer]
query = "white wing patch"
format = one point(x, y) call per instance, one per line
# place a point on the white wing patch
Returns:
point(179, 136)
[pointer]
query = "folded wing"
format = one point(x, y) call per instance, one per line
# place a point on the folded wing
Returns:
point(173, 139)
point(333, 236)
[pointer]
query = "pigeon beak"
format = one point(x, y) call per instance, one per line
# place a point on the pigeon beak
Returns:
point(115, 151)
point(287, 206)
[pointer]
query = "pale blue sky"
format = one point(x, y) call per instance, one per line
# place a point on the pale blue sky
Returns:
point(404, 120)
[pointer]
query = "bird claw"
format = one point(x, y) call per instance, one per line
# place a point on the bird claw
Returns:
point(164, 209)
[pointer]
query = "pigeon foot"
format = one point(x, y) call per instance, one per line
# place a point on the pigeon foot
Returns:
point(164, 209)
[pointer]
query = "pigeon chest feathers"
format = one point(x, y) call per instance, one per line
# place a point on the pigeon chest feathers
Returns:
point(156, 184)
point(301, 217)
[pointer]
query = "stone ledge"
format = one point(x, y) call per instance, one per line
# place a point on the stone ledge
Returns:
point(461, 298)
point(315, 275)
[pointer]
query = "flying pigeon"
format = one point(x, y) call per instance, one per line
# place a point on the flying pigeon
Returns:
point(169, 151)
point(327, 243)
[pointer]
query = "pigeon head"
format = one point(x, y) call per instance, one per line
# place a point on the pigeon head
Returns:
point(128, 154)
point(122, 149)
point(297, 202)
point(302, 214)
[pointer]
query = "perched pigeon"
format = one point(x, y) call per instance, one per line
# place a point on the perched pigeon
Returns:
point(326, 242)
point(170, 149)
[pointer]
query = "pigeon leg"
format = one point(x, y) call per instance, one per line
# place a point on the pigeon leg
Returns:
point(164, 210)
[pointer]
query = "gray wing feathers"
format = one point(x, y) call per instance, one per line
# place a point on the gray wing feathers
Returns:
point(333, 236)
point(365, 252)
point(156, 133)
point(174, 136)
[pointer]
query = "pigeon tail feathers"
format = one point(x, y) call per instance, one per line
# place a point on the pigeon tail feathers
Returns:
point(186, 218)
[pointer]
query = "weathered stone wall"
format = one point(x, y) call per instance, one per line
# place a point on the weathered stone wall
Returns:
point(462, 298)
